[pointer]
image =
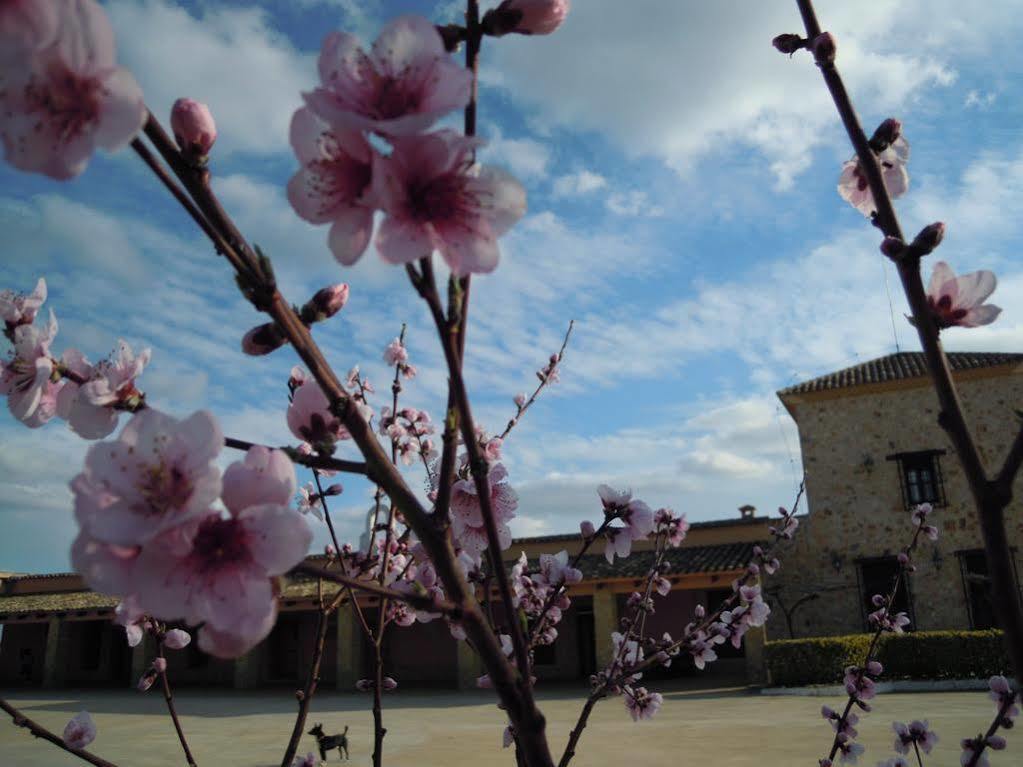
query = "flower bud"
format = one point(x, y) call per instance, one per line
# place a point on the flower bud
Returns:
point(824, 48)
point(364, 685)
point(520, 400)
point(587, 529)
point(326, 303)
point(525, 17)
point(389, 683)
point(193, 127)
point(146, 680)
point(176, 639)
point(930, 237)
point(996, 742)
point(262, 339)
point(886, 134)
point(159, 665)
point(892, 247)
point(335, 489)
point(788, 43)
point(874, 668)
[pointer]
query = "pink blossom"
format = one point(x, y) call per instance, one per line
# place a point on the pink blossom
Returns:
point(25, 376)
point(193, 127)
point(91, 408)
point(508, 738)
point(895, 761)
point(395, 353)
point(539, 17)
point(26, 26)
point(467, 517)
point(20, 308)
point(556, 570)
point(177, 639)
point(265, 476)
point(156, 475)
point(613, 500)
point(401, 87)
point(217, 570)
point(436, 198)
point(80, 731)
point(309, 760)
point(619, 542)
point(69, 98)
point(310, 419)
point(333, 183)
point(309, 501)
point(107, 568)
point(642, 704)
point(916, 733)
point(853, 186)
point(960, 300)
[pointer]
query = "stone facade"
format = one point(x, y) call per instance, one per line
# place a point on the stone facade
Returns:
point(858, 442)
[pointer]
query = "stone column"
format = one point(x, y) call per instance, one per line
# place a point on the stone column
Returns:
point(470, 667)
point(753, 645)
point(349, 648)
point(605, 621)
point(54, 657)
point(248, 668)
point(142, 656)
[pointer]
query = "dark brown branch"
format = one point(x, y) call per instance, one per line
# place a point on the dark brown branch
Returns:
point(1011, 467)
point(305, 696)
point(989, 496)
point(309, 461)
point(20, 720)
point(577, 731)
point(419, 601)
point(518, 702)
point(996, 724)
point(536, 393)
point(174, 714)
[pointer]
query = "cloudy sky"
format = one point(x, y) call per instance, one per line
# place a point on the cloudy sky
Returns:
point(682, 210)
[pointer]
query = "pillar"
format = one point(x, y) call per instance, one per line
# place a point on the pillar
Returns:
point(753, 643)
point(470, 666)
point(349, 648)
point(142, 656)
point(248, 668)
point(55, 658)
point(605, 621)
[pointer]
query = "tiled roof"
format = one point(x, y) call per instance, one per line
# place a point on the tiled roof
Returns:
point(681, 561)
point(898, 367)
point(708, 524)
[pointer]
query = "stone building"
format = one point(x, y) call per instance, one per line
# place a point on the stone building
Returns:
point(58, 633)
point(872, 449)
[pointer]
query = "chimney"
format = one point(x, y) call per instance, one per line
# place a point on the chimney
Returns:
point(747, 511)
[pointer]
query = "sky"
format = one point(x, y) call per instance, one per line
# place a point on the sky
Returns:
point(681, 182)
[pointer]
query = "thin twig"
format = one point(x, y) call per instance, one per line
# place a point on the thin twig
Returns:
point(309, 461)
point(990, 497)
point(543, 383)
point(20, 720)
point(169, 698)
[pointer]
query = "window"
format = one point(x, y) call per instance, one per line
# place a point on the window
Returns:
point(920, 477)
point(876, 577)
point(976, 585)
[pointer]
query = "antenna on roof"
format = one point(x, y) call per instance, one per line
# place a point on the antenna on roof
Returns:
point(891, 309)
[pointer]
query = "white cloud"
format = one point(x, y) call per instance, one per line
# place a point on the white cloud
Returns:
point(578, 184)
point(704, 78)
point(633, 203)
point(524, 157)
point(979, 100)
point(230, 58)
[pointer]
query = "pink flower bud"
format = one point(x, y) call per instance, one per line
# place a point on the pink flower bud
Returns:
point(930, 237)
point(146, 680)
point(700, 611)
point(520, 400)
point(262, 339)
point(80, 731)
point(159, 665)
point(329, 550)
point(526, 17)
point(364, 685)
point(996, 742)
point(389, 683)
point(193, 127)
point(824, 48)
point(176, 639)
point(326, 303)
point(788, 43)
point(587, 529)
point(874, 668)
point(335, 489)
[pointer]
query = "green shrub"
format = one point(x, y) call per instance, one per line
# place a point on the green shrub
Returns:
point(917, 655)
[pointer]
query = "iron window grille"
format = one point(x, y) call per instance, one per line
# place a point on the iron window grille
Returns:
point(920, 477)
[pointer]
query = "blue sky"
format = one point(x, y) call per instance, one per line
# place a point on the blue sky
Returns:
point(682, 209)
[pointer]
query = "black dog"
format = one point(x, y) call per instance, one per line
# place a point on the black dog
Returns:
point(329, 742)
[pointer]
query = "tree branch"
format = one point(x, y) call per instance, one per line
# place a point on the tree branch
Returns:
point(20, 720)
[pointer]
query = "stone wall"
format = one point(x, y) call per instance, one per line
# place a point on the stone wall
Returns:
point(856, 503)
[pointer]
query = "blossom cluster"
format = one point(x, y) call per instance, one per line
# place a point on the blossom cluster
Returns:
point(433, 194)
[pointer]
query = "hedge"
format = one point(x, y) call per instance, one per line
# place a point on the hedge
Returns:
point(917, 655)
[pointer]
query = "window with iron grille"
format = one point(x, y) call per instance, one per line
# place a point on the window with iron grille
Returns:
point(876, 576)
point(977, 587)
point(920, 477)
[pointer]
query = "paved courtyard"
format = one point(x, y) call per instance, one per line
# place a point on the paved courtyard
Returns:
point(707, 727)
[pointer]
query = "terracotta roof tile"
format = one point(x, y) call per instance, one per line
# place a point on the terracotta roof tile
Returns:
point(898, 367)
